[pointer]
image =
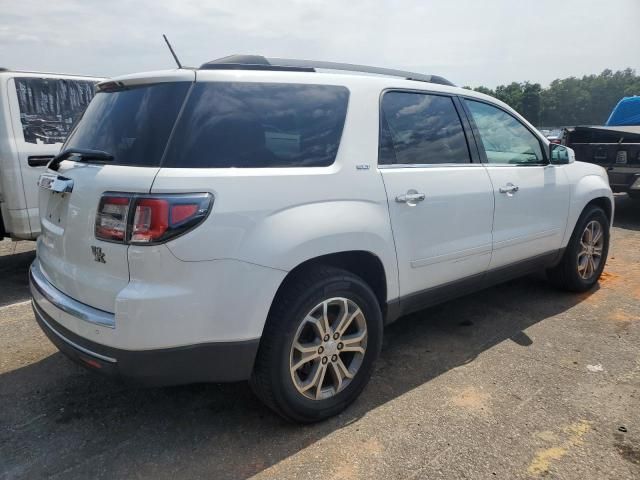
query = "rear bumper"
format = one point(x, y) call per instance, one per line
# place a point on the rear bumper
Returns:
point(206, 362)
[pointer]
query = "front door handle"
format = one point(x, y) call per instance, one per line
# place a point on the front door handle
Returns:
point(509, 188)
point(411, 197)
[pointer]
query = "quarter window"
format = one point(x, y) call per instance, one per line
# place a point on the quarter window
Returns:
point(417, 128)
point(505, 139)
point(259, 125)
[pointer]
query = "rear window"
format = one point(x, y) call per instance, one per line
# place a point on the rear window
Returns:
point(49, 107)
point(259, 125)
point(133, 124)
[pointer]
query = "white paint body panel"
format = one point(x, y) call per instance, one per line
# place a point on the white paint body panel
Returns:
point(217, 282)
point(68, 221)
point(532, 220)
point(447, 236)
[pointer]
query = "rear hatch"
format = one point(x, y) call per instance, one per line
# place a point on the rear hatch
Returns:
point(131, 121)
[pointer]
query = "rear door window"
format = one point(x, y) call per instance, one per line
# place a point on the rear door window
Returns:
point(132, 124)
point(259, 125)
point(49, 107)
point(418, 129)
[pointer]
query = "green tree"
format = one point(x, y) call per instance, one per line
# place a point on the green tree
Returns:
point(569, 101)
point(531, 105)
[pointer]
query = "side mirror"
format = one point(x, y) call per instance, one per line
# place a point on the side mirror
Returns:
point(561, 155)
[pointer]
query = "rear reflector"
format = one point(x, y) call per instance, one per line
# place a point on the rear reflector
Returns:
point(91, 362)
point(149, 219)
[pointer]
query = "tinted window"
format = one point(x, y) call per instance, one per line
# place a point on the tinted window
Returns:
point(504, 138)
point(49, 107)
point(421, 129)
point(259, 125)
point(133, 125)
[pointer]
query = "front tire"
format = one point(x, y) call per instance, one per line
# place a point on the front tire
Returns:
point(586, 254)
point(320, 342)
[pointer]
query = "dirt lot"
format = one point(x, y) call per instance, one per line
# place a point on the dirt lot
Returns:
point(519, 381)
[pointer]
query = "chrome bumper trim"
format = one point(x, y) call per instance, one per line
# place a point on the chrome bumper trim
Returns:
point(41, 315)
point(43, 292)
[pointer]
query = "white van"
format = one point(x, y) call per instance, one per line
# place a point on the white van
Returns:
point(37, 111)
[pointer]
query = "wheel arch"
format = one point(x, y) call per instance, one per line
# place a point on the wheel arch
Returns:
point(605, 204)
point(590, 190)
point(362, 263)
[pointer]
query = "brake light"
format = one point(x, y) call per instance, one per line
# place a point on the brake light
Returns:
point(149, 219)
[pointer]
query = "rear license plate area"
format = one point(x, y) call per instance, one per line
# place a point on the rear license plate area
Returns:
point(57, 209)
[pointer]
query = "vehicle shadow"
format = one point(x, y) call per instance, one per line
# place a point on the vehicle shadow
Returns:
point(77, 424)
point(627, 213)
point(14, 282)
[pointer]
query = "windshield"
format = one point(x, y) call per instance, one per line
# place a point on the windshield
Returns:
point(133, 124)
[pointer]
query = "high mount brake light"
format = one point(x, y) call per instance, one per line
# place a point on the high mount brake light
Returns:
point(149, 219)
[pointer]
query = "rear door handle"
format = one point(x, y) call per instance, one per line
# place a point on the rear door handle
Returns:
point(410, 197)
point(509, 188)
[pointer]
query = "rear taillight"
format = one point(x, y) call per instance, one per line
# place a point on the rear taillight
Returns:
point(149, 219)
point(111, 220)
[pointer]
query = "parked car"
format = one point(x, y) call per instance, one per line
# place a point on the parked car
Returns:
point(257, 219)
point(37, 111)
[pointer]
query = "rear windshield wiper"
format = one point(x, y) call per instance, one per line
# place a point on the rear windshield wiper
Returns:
point(82, 153)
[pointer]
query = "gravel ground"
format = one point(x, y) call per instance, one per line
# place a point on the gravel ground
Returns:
point(518, 381)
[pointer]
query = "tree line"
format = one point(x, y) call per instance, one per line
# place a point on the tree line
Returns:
point(569, 101)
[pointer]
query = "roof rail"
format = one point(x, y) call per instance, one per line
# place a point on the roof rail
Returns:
point(258, 62)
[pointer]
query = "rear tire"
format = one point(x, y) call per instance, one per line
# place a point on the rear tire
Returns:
point(341, 353)
point(586, 253)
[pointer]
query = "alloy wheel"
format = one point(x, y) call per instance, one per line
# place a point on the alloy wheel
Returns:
point(591, 246)
point(328, 348)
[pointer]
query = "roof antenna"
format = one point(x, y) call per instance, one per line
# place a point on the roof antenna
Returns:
point(175, 57)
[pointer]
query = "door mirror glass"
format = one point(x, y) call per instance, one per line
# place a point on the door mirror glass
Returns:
point(561, 155)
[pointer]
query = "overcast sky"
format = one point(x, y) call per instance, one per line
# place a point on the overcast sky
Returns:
point(471, 42)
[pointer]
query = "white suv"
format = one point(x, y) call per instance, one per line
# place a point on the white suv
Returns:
point(258, 219)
